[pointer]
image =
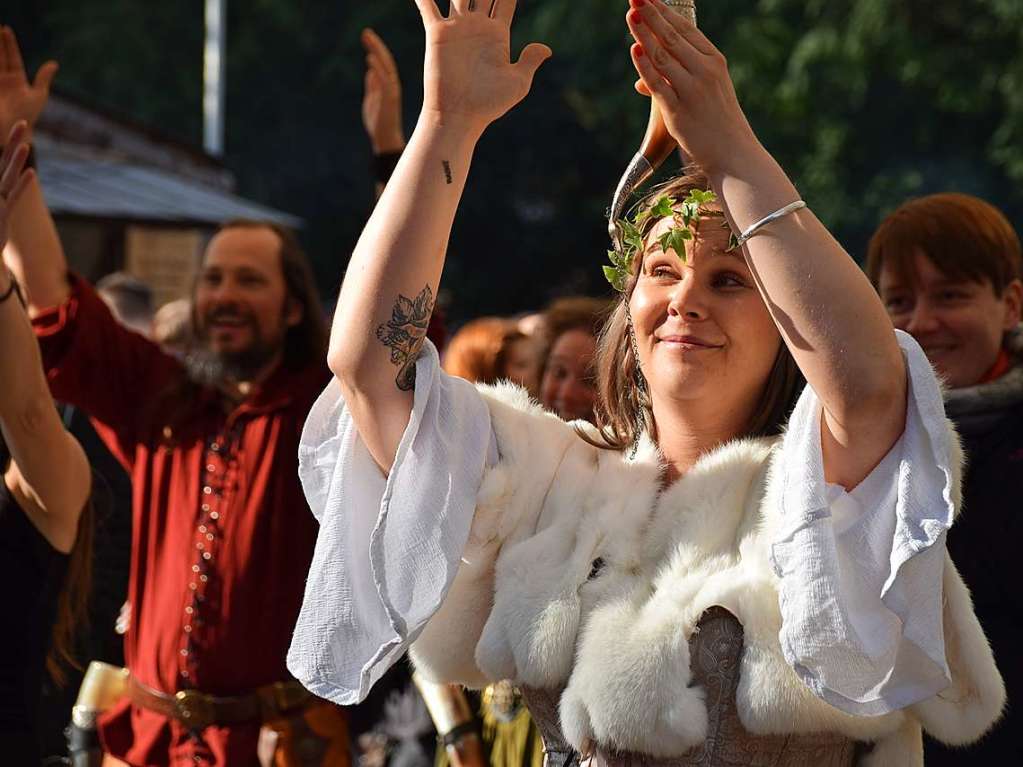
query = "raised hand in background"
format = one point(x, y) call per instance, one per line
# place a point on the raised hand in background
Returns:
point(381, 102)
point(33, 251)
point(20, 99)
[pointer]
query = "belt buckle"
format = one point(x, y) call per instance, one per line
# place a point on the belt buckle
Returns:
point(194, 708)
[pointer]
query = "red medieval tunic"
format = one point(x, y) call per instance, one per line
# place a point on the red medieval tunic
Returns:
point(222, 537)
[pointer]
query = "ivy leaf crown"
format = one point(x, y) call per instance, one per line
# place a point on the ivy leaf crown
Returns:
point(686, 214)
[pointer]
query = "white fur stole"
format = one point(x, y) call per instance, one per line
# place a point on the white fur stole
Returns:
point(580, 573)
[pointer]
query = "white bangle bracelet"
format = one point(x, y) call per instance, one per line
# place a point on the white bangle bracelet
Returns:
point(792, 207)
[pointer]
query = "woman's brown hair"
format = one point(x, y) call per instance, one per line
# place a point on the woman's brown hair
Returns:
point(965, 237)
point(623, 407)
point(478, 352)
point(73, 599)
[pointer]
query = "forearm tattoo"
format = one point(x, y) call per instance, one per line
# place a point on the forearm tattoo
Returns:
point(447, 171)
point(403, 334)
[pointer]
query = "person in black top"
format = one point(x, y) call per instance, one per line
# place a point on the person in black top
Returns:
point(44, 536)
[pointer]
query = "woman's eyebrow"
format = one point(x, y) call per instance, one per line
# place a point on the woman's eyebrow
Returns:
point(737, 253)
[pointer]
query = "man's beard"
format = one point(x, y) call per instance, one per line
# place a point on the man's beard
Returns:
point(207, 367)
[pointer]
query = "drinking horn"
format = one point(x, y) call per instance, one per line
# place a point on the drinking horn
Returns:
point(657, 145)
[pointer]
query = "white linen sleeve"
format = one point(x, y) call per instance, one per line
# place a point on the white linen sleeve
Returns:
point(388, 547)
point(861, 572)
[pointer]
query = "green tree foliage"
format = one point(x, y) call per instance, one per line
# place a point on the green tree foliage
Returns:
point(868, 102)
point(864, 102)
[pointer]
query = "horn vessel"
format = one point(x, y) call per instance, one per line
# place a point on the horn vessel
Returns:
point(657, 145)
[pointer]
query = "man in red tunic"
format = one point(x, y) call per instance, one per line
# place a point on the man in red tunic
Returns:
point(222, 535)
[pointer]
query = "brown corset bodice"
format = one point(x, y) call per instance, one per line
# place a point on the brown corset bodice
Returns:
point(715, 650)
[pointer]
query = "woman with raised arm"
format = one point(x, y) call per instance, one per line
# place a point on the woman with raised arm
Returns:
point(702, 577)
point(45, 538)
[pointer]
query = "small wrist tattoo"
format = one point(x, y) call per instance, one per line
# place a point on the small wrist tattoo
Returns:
point(403, 334)
point(447, 171)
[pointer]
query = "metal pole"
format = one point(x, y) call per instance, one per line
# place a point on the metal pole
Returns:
point(214, 80)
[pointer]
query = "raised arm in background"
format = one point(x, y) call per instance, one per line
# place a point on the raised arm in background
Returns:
point(33, 253)
point(48, 475)
point(132, 366)
point(828, 313)
point(392, 278)
point(381, 106)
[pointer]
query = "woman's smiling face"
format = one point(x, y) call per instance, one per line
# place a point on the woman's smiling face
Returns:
point(959, 323)
point(568, 386)
point(702, 329)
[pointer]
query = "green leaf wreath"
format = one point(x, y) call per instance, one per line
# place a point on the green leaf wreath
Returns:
point(686, 215)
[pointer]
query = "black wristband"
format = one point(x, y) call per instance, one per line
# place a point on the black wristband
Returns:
point(384, 165)
point(456, 733)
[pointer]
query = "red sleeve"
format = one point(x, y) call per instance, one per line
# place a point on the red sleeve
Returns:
point(101, 367)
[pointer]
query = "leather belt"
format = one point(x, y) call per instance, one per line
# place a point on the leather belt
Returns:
point(198, 710)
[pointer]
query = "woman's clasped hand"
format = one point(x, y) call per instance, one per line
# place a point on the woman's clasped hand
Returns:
point(688, 77)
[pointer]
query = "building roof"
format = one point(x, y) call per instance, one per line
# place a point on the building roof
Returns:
point(80, 182)
point(95, 163)
point(70, 120)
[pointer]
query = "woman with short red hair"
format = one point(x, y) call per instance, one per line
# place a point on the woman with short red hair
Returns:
point(948, 268)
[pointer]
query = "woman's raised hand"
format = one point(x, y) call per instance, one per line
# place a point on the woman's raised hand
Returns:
point(19, 98)
point(688, 77)
point(469, 76)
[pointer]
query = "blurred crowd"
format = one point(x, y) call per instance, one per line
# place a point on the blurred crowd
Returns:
point(156, 534)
